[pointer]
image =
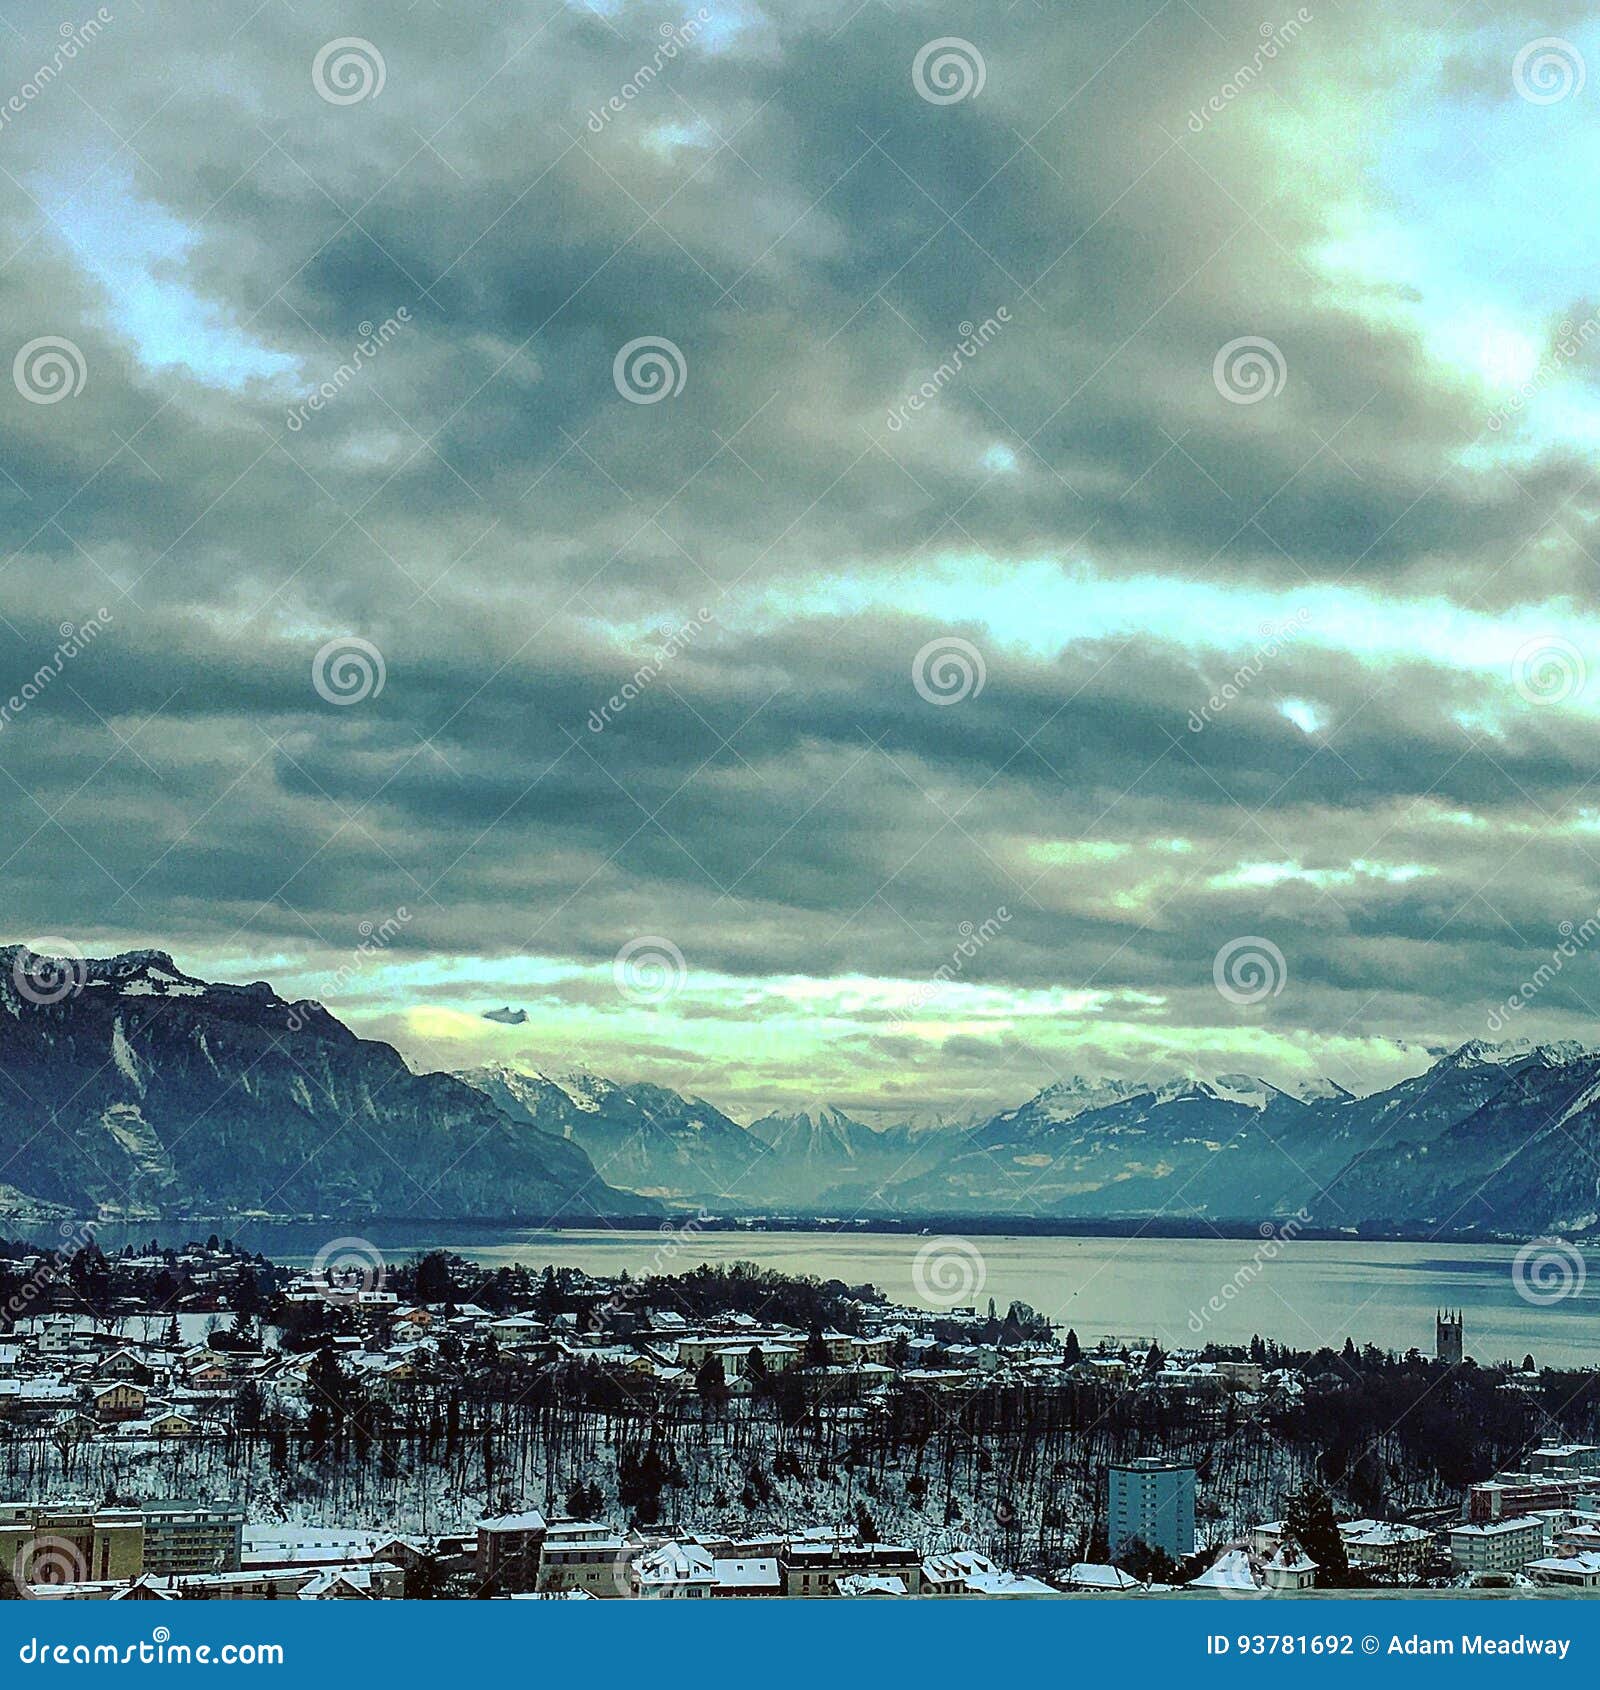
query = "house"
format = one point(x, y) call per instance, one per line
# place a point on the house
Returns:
point(1288, 1567)
point(870, 1584)
point(193, 1537)
point(1503, 1546)
point(1231, 1574)
point(509, 1550)
point(43, 1545)
point(308, 1584)
point(1390, 1545)
point(124, 1364)
point(754, 1575)
point(1265, 1538)
point(815, 1561)
point(1580, 1571)
point(675, 1569)
point(264, 1548)
point(586, 1555)
point(122, 1400)
point(1097, 1576)
point(964, 1572)
point(168, 1423)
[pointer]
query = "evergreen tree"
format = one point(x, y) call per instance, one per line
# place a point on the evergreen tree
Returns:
point(1073, 1352)
point(1309, 1519)
point(712, 1382)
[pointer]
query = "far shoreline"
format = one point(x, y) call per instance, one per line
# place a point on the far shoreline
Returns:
point(1279, 1232)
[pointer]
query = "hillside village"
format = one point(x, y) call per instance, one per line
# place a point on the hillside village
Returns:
point(158, 1403)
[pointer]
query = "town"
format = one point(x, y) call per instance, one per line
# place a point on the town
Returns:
point(202, 1423)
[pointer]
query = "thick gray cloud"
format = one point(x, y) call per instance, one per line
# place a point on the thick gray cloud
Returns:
point(815, 239)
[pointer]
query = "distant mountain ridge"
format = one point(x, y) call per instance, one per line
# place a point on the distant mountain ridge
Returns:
point(129, 1088)
point(643, 1138)
point(1229, 1146)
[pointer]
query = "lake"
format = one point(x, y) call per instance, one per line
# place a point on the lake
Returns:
point(1182, 1292)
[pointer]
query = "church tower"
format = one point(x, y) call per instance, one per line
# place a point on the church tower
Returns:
point(1447, 1336)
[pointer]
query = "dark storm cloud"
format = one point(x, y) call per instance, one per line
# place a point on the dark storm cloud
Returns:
point(475, 497)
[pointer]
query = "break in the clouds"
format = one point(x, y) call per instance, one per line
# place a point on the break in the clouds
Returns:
point(813, 550)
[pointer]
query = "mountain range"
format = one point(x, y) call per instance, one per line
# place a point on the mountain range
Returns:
point(1499, 1138)
point(129, 1088)
point(1493, 1138)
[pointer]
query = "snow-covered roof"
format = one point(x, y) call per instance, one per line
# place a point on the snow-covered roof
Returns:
point(529, 1521)
point(750, 1573)
point(1496, 1528)
point(1376, 1534)
point(675, 1563)
point(1230, 1571)
point(1094, 1575)
point(870, 1584)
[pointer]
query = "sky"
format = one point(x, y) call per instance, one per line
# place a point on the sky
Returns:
point(881, 553)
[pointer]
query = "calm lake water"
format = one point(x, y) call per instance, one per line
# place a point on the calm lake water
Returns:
point(1301, 1292)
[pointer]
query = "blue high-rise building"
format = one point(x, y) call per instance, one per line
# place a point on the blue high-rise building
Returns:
point(1153, 1501)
